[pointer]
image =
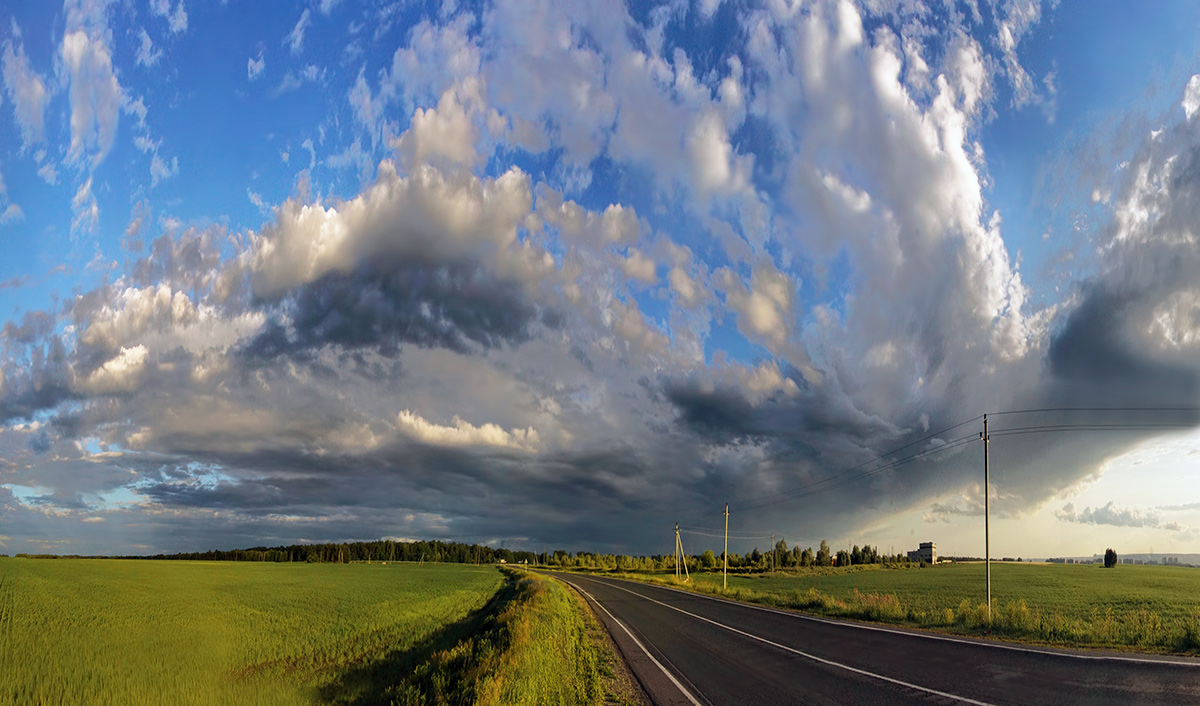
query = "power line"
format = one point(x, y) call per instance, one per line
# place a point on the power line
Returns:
point(1093, 409)
point(840, 480)
point(1054, 428)
point(880, 457)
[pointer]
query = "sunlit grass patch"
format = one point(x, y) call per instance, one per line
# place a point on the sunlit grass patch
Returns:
point(1155, 608)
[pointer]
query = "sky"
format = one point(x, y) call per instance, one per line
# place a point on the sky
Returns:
point(560, 275)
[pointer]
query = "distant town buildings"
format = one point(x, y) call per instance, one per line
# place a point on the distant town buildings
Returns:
point(926, 552)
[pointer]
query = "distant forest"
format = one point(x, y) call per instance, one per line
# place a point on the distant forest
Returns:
point(456, 553)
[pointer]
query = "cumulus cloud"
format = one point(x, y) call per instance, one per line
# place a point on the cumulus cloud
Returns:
point(724, 276)
point(461, 433)
point(764, 309)
point(1115, 516)
point(120, 374)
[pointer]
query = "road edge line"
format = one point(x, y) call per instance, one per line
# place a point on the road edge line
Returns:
point(899, 682)
point(916, 633)
point(683, 690)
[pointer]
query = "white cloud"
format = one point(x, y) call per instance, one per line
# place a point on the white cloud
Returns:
point(254, 67)
point(639, 267)
point(445, 135)
point(684, 286)
point(464, 433)
point(1191, 96)
point(147, 55)
point(28, 93)
point(177, 20)
point(160, 169)
point(423, 215)
point(119, 374)
point(87, 212)
point(12, 214)
point(46, 171)
point(765, 308)
point(1110, 514)
point(295, 39)
point(134, 311)
point(95, 94)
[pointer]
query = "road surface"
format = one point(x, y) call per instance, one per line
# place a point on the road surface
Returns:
point(697, 650)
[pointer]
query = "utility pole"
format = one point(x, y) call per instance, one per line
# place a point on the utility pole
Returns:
point(681, 556)
point(676, 551)
point(772, 551)
point(725, 554)
point(987, 537)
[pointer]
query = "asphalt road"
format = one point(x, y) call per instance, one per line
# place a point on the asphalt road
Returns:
point(701, 651)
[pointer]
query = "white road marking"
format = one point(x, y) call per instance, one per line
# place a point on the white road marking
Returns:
point(687, 694)
point(927, 636)
point(793, 650)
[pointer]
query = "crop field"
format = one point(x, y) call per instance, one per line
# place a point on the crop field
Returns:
point(1141, 607)
point(78, 631)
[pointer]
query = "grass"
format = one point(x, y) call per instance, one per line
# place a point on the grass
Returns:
point(1151, 608)
point(144, 632)
point(536, 648)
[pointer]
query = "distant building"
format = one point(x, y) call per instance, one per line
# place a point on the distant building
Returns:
point(926, 552)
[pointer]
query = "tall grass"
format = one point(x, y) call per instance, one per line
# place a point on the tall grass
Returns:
point(535, 649)
point(136, 632)
point(1130, 607)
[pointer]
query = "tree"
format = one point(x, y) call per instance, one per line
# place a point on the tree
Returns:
point(823, 558)
point(708, 560)
point(1110, 558)
point(806, 557)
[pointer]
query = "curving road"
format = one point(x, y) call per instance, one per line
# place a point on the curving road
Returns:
point(697, 650)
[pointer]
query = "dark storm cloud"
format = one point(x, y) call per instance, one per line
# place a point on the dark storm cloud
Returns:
point(34, 326)
point(561, 499)
point(44, 382)
point(723, 414)
point(455, 306)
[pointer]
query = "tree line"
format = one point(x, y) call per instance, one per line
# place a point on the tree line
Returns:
point(781, 556)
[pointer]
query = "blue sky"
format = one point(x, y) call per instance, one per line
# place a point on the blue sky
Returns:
point(332, 270)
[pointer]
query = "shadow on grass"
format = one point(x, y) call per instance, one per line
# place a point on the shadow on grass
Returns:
point(442, 669)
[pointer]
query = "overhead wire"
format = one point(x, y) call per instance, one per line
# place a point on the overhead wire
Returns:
point(844, 477)
point(880, 457)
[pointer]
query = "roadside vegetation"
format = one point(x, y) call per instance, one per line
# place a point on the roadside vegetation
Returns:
point(1150, 608)
point(122, 632)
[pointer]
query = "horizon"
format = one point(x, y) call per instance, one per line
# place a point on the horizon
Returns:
point(567, 275)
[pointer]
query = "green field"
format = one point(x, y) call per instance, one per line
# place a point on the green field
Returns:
point(1141, 607)
point(156, 632)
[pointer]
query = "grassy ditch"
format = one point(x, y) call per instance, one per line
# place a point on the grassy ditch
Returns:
point(532, 645)
point(1152, 609)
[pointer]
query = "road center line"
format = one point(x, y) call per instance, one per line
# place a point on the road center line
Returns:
point(806, 655)
point(923, 635)
point(687, 694)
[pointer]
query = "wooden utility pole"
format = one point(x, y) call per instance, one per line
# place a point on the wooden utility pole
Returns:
point(772, 551)
point(987, 537)
point(725, 554)
point(676, 551)
point(681, 557)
